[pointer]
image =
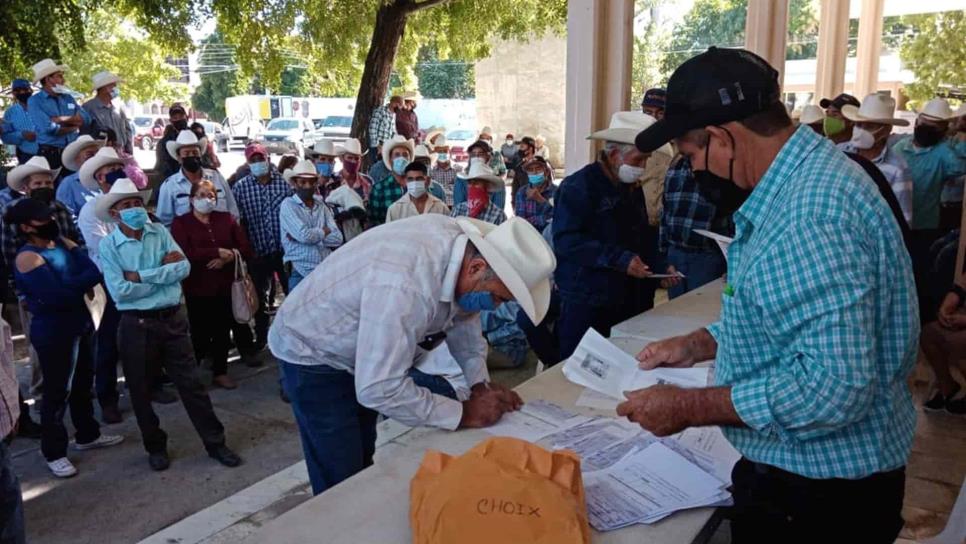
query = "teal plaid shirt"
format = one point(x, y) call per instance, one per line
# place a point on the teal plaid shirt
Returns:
point(819, 323)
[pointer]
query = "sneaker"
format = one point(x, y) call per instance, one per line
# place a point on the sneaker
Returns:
point(62, 468)
point(111, 415)
point(164, 396)
point(103, 441)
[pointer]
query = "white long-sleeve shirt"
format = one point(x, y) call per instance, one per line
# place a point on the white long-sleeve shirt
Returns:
point(93, 230)
point(368, 305)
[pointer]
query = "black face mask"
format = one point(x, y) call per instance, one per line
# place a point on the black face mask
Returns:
point(722, 192)
point(181, 124)
point(191, 164)
point(113, 176)
point(47, 231)
point(927, 135)
point(43, 194)
point(23, 96)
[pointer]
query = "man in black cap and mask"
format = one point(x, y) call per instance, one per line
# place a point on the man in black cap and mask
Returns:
point(837, 128)
point(818, 329)
point(165, 164)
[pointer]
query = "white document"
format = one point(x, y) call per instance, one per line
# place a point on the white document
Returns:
point(723, 241)
point(645, 486)
point(536, 420)
point(597, 400)
point(711, 449)
point(602, 366)
point(594, 437)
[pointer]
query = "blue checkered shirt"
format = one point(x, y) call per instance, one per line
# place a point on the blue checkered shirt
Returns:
point(491, 214)
point(819, 323)
point(382, 125)
point(259, 207)
point(16, 121)
point(685, 210)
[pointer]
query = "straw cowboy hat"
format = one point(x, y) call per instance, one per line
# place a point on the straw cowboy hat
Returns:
point(485, 173)
point(102, 79)
point(105, 156)
point(433, 135)
point(186, 138)
point(304, 168)
point(393, 143)
point(938, 109)
point(411, 95)
point(69, 156)
point(625, 126)
point(440, 141)
point(350, 147)
point(17, 178)
point(122, 188)
point(323, 148)
point(45, 68)
point(422, 152)
point(520, 257)
point(811, 114)
point(875, 108)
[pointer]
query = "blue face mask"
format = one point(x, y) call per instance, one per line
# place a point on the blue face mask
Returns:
point(476, 301)
point(324, 169)
point(134, 218)
point(399, 165)
point(258, 169)
point(442, 157)
point(115, 92)
point(535, 179)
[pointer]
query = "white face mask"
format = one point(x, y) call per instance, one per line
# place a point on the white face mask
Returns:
point(203, 205)
point(416, 188)
point(861, 138)
point(629, 174)
point(60, 89)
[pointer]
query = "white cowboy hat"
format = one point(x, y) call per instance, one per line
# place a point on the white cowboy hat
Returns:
point(393, 143)
point(485, 131)
point(875, 108)
point(46, 67)
point(482, 171)
point(323, 148)
point(186, 138)
point(17, 178)
point(433, 135)
point(122, 188)
point(303, 168)
point(102, 79)
point(937, 108)
point(411, 95)
point(69, 156)
point(811, 114)
point(105, 156)
point(440, 141)
point(422, 152)
point(520, 257)
point(624, 128)
point(350, 147)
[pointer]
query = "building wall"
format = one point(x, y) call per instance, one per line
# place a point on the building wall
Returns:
point(521, 88)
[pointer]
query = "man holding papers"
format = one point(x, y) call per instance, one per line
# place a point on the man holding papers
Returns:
point(819, 320)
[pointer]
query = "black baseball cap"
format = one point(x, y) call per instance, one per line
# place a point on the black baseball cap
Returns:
point(839, 101)
point(26, 210)
point(716, 87)
point(656, 98)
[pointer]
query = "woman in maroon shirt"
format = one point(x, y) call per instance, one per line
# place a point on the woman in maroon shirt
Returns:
point(207, 238)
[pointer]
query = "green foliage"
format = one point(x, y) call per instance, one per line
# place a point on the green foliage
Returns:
point(650, 48)
point(220, 77)
point(938, 68)
point(441, 78)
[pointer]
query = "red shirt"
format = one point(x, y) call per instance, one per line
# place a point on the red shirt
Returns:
point(200, 243)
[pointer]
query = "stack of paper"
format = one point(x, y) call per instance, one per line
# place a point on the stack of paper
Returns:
point(536, 420)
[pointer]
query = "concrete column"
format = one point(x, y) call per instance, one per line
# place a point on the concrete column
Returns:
point(766, 32)
point(833, 48)
point(869, 48)
point(600, 46)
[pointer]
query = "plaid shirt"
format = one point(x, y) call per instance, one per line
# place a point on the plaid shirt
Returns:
point(382, 125)
point(384, 193)
point(820, 323)
point(259, 207)
point(538, 214)
point(447, 178)
point(11, 242)
point(685, 210)
point(491, 214)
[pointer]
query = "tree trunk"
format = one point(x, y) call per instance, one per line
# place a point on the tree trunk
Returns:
point(388, 32)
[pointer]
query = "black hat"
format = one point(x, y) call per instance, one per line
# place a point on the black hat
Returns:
point(482, 144)
point(176, 107)
point(656, 98)
point(716, 87)
point(839, 101)
point(27, 209)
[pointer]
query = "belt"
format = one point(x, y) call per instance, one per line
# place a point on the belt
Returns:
point(152, 314)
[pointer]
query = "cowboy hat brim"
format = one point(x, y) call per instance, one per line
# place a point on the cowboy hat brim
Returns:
point(387, 151)
point(626, 136)
point(69, 157)
point(49, 70)
point(17, 176)
point(173, 146)
point(851, 113)
point(90, 168)
point(494, 182)
point(535, 301)
point(103, 204)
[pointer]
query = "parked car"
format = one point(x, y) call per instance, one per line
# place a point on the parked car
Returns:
point(335, 128)
point(459, 141)
point(288, 135)
point(240, 133)
point(147, 131)
point(216, 135)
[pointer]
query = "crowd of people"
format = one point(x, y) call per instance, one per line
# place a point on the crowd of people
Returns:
point(410, 271)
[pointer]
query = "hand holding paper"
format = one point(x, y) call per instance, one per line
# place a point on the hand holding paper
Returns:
point(657, 409)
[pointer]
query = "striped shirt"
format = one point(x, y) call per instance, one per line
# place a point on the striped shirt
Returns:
point(259, 207)
point(303, 233)
point(17, 121)
point(896, 172)
point(819, 324)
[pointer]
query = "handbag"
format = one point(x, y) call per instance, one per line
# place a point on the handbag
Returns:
point(244, 298)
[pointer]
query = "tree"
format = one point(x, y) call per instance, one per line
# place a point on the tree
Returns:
point(937, 68)
point(650, 48)
point(220, 77)
point(441, 78)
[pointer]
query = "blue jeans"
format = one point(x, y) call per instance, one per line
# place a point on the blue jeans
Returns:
point(437, 384)
point(11, 501)
point(338, 434)
point(294, 279)
point(700, 267)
